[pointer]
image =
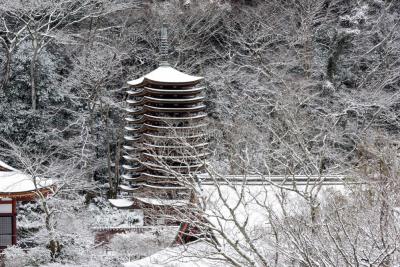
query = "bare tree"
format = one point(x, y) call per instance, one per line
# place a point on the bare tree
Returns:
point(46, 21)
point(10, 40)
point(43, 166)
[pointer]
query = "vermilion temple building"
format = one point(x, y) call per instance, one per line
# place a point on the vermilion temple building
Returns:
point(16, 185)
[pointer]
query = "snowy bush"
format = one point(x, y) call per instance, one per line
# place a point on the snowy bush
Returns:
point(14, 257)
point(137, 245)
point(103, 215)
point(17, 257)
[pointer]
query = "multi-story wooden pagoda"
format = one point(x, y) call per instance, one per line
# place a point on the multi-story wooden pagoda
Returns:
point(165, 135)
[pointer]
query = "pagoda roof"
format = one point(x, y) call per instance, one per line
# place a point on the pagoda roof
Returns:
point(16, 184)
point(129, 203)
point(162, 202)
point(165, 75)
point(121, 202)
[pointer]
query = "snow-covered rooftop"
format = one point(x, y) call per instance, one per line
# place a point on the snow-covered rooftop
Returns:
point(165, 75)
point(163, 202)
point(252, 201)
point(5, 166)
point(192, 255)
point(121, 203)
point(127, 203)
point(15, 181)
point(229, 205)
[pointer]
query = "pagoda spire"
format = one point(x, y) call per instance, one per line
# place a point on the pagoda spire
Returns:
point(164, 46)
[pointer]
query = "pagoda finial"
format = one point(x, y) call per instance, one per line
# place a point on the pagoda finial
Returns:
point(164, 46)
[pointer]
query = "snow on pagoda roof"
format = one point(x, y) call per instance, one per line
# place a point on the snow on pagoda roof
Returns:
point(121, 202)
point(15, 181)
point(165, 75)
point(163, 202)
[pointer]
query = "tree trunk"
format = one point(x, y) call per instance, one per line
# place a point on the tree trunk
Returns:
point(7, 70)
point(314, 211)
point(117, 159)
point(35, 47)
point(111, 177)
point(54, 244)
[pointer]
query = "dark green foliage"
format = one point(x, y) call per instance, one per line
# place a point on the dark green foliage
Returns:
point(324, 71)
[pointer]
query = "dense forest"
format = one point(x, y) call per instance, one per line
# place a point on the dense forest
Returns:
point(306, 87)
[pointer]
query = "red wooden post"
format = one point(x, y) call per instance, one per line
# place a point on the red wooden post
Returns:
point(14, 230)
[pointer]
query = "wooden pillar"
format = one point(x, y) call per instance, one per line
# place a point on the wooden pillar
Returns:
point(14, 222)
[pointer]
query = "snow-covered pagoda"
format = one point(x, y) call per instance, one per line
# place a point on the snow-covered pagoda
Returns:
point(165, 144)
